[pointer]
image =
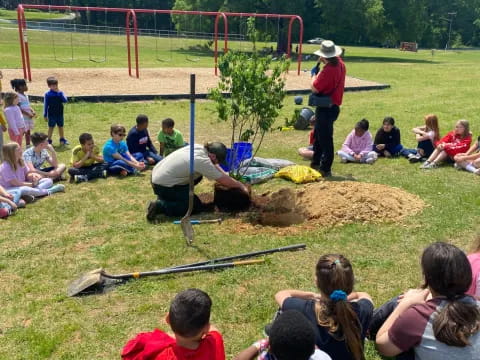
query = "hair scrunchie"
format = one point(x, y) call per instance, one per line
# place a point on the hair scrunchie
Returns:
point(338, 295)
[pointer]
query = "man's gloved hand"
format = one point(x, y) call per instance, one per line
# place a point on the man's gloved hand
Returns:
point(315, 70)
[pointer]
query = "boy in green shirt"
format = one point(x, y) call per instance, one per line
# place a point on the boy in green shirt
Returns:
point(170, 139)
point(87, 162)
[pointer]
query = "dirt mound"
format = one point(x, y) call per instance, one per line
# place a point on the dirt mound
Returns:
point(331, 203)
point(325, 203)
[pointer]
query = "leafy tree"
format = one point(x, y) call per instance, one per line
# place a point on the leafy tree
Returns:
point(257, 89)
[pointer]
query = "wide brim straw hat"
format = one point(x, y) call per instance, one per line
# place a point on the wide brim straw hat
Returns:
point(328, 49)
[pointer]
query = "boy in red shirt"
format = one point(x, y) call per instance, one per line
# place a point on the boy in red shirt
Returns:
point(194, 337)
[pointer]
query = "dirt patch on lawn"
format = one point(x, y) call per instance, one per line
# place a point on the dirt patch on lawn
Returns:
point(325, 204)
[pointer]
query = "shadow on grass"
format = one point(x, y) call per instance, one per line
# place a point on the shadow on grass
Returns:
point(387, 60)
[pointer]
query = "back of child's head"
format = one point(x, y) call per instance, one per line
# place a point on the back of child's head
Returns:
point(190, 312)
point(9, 98)
point(117, 128)
point(448, 273)
point(142, 119)
point(388, 120)
point(18, 84)
point(84, 137)
point(8, 152)
point(335, 280)
point(38, 138)
point(168, 123)
point(52, 80)
point(362, 125)
point(292, 337)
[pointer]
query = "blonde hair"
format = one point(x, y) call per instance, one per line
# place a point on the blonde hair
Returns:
point(9, 155)
point(431, 122)
point(466, 126)
point(8, 98)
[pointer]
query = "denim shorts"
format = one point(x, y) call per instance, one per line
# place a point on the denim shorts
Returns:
point(55, 121)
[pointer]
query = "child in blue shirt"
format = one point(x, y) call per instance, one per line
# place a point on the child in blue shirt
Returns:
point(140, 144)
point(53, 110)
point(117, 156)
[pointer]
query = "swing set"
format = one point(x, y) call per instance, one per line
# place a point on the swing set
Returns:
point(131, 28)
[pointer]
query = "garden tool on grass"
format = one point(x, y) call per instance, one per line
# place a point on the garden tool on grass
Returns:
point(185, 221)
point(198, 222)
point(95, 281)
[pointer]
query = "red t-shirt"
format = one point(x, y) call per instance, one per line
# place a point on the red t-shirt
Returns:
point(331, 81)
point(157, 345)
point(454, 144)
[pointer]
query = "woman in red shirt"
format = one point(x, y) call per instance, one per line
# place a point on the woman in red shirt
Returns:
point(330, 81)
point(455, 142)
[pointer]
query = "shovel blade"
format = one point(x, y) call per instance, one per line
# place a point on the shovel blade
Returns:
point(187, 229)
point(86, 283)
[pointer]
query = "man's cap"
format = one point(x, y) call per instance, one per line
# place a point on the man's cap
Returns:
point(219, 149)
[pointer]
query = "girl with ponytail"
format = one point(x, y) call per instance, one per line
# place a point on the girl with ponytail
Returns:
point(341, 316)
point(439, 321)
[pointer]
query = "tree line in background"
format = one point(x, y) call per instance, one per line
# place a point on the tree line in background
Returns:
point(347, 22)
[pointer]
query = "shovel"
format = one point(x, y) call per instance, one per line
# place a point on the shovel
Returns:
point(185, 222)
point(96, 280)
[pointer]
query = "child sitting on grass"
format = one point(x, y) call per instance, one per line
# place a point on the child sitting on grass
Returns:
point(474, 259)
point(307, 152)
point(14, 175)
point(140, 144)
point(86, 162)
point(9, 201)
point(455, 142)
point(194, 338)
point(340, 316)
point(387, 140)
point(170, 139)
point(358, 145)
point(470, 160)
point(426, 136)
point(290, 337)
point(41, 152)
point(116, 154)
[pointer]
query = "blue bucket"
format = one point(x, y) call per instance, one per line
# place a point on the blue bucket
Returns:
point(241, 151)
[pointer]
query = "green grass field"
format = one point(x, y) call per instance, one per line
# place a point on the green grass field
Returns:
point(102, 223)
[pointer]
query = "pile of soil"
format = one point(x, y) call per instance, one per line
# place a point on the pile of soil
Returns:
point(329, 203)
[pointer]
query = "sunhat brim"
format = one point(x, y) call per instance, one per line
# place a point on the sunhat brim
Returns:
point(338, 51)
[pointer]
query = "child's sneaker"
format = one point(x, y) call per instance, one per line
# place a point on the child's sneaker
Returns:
point(123, 173)
point(414, 158)
point(104, 174)
point(477, 172)
point(28, 198)
point(370, 160)
point(64, 141)
point(4, 212)
point(425, 165)
point(21, 204)
point(56, 188)
point(343, 160)
point(81, 178)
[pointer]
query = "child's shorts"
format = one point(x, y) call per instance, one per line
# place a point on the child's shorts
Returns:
point(28, 124)
point(55, 121)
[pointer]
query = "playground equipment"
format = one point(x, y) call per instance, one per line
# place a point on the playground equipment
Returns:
point(131, 29)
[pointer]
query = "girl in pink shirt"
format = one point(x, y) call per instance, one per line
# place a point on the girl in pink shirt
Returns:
point(474, 259)
point(358, 145)
point(16, 125)
point(14, 175)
